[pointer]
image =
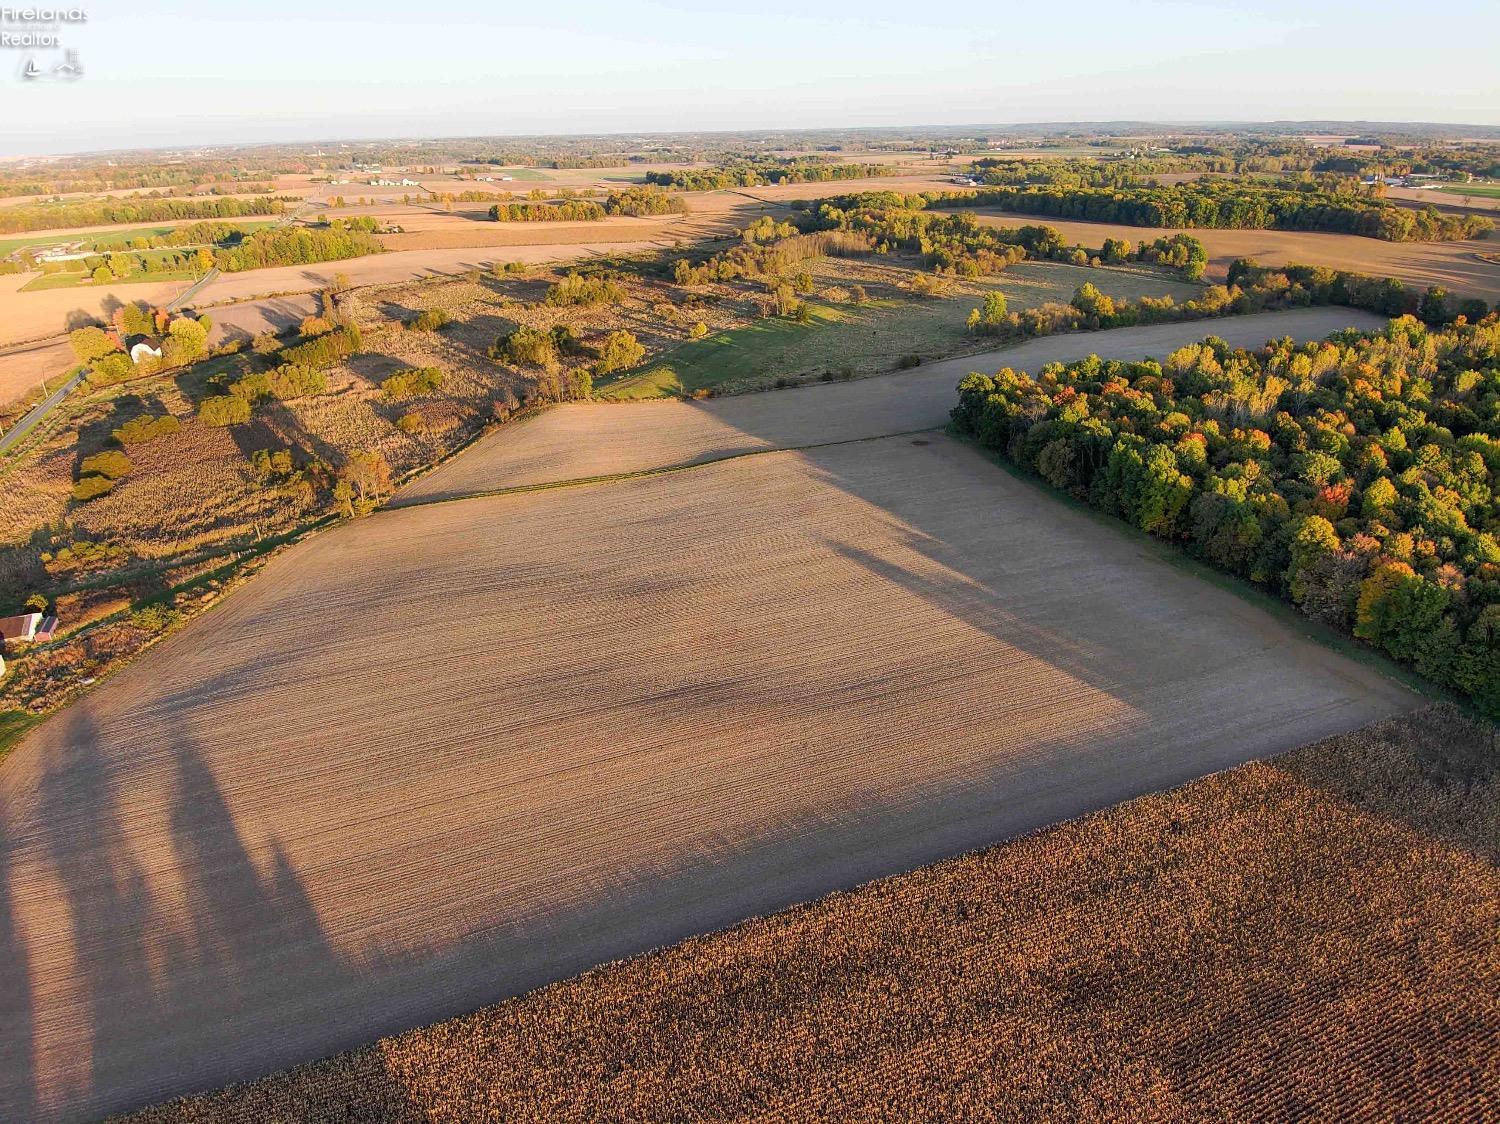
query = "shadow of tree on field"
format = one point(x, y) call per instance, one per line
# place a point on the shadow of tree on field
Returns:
point(17, 1016)
point(172, 937)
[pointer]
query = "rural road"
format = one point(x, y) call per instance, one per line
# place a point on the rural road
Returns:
point(192, 290)
point(452, 752)
point(37, 413)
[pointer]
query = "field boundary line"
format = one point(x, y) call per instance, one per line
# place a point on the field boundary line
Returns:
point(1172, 554)
point(639, 473)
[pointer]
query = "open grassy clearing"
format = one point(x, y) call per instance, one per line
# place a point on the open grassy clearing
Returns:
point(1310, 936)
point(84, 280)
point(848, 339)
point(1478, 190)
point(14, 725)
point(726, 690)
point(577, 441)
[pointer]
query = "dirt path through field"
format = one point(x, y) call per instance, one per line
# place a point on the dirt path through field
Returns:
point(452, 752)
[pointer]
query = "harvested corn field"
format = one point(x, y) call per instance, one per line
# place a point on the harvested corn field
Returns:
point(1309, 937)
point(457, 751)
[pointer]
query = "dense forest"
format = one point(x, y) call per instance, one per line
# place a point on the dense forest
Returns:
point(1357, 477)
point(568, 210)
point(1225, 205)
point(100, 212)
point(760, 173)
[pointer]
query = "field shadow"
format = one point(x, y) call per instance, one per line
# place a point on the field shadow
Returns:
point(165, 966)
point(373, 367)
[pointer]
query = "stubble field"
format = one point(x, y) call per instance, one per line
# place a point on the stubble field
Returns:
point(1309, 937)
point(451, 753)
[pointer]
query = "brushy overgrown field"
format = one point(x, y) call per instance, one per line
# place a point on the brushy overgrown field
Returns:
point(1310, 937)
point(844, 339)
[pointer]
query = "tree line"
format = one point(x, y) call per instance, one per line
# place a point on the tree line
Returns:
point(56, 216)
point(1217, 204)
point(567, 210)
point(764, 173)
point(1213, 204)
point(1356, 477)
point(303, 245)
point(642, 201)
point(1251, 288)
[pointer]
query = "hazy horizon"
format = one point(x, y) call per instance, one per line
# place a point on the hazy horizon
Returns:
point(177, 75)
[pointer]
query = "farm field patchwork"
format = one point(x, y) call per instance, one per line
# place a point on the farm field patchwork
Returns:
point(1336, 907)
point(607, 718)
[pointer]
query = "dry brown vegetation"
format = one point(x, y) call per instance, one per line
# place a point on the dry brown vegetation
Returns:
point(1309, 937)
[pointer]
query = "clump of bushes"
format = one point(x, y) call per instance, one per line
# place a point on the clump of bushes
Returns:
point(429, 320)
point(410, 382)
point(283, 383)
point(326, 350)
point(908, 361)
point(576, 289)
point(619, 351)
point(111, 463)
point(155, 618)
point(139, 431)
point(110, 369)
point(411, 423)
point(224, 409)
point(92, 487)
point(529, 347)
point(98, 474)
point(293, 381)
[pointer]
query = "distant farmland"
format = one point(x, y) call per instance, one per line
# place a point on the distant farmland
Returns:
point(1311, 937)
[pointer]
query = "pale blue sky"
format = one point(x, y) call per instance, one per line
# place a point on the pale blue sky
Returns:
point(191, 73)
